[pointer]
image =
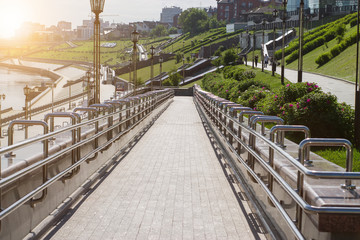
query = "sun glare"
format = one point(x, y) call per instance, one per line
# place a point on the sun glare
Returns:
point(11, 18)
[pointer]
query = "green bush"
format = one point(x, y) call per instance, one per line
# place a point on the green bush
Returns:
point(353, 23)
point(252, 96)
point(229, 57)
point(336, 50)
point(322, 114)
point(272, 104)
point(323, 58)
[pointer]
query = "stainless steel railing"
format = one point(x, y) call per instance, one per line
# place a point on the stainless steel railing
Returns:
point(209, 104)
point(141, 107)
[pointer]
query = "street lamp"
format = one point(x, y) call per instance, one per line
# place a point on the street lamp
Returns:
point(26, 93)
point(130, 62)
point(301, 36)
point(357, 91)
point(97, 7)
point(2, 97)
point(152, 65)
point(89, 87)
point(248, 40)
point(135, 38)
point(183, 69)
point(253, 55)
point(283, 43)
point(263, 45)
point(161, 61)
point(273, 67)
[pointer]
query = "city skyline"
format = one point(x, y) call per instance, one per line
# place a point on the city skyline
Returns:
point(14, 13)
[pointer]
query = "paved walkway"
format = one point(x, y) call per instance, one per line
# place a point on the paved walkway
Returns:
point(345, 91)
point(170, 186)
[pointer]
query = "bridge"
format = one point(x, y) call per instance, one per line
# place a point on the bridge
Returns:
point(159, 166)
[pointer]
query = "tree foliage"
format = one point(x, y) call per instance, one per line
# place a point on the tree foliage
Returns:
point(159, 31)
point(196, 21)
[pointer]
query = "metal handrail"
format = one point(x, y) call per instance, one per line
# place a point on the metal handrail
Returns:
point(284, 185)
point(17, 175)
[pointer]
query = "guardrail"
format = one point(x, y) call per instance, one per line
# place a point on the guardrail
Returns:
point(122, 116)
point(257, 165)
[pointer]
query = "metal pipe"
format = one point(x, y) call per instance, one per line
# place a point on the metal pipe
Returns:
point(45, 150)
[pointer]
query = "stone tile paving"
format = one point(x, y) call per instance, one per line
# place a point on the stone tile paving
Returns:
point(170, 186)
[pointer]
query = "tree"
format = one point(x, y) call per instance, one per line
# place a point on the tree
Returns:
point(174, 78)
point(194, 21)
point(173, 30)
point(229, 57)
point(159, 31)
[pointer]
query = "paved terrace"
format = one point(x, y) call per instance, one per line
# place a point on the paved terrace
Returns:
point(171, 185)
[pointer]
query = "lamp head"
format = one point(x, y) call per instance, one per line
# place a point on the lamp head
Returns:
point(26, 90)
point(135, 36)
point(275, 13)
point(152, 50)
point(161, 59)
point(97, 6)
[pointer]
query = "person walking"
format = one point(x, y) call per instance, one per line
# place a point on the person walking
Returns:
point(266, 60)
point(256, 60)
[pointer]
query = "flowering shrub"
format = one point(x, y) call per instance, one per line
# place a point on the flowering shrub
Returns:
point(322, 114)
point(252, 95)
point(273, 103)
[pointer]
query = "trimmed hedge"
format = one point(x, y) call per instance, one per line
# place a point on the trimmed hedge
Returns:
point(328, 31)
point(336, 50)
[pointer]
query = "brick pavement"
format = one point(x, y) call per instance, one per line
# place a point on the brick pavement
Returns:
point(170, 186)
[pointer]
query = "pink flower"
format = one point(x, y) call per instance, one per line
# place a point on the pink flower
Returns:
point(287, 85)
point(263, 87)
point(290, 105)
point(276, 96)
point(342, 109)
point(226, 90)
point(308, 100)
point(316, 86)
point(310, 89)
point(283, 112)
point(254, 108)
point(305, 108)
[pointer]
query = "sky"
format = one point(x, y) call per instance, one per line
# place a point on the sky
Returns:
point(49, 12)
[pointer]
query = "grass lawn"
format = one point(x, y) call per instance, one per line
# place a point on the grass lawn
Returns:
point(338, 156)
point(342, 66)
point(144, 73)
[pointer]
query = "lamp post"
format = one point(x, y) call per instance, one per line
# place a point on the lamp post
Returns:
point(248, 40)
point(89, 87)
point(357, 91)
point(161, 61)
point(97, 7)
point(274, 14)
point(26, 93)
point(52, 97)
point(135, 38)
point(130, 62)
point(283, 43)
point(263, 45)
point(301, 35)
point(183, 69)
point(2, 97)
point(253, 55)
point(69, 82)
point(152, 65)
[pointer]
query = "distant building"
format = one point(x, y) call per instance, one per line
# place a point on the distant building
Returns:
point(84, 32)
point(62, 25)
point(231, 10)
point(167, 14)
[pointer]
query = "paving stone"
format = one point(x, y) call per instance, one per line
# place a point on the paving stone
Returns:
point(170, 186)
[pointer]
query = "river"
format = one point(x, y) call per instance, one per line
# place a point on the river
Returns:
point(12, 83)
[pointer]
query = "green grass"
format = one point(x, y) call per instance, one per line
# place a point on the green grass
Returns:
point(338, 156)
point(342, 66)
point(144, 73)
point(84, 51)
